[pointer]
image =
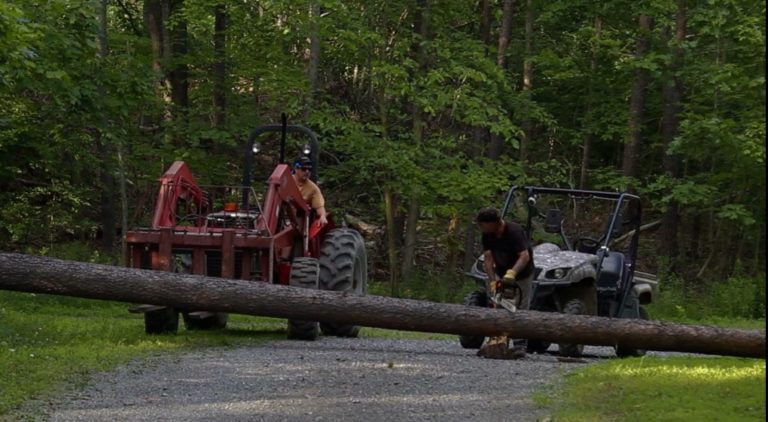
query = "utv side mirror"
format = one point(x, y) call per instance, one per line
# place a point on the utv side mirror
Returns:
point(553, 223)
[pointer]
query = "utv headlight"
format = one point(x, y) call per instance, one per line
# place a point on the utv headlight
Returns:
point(557, 273)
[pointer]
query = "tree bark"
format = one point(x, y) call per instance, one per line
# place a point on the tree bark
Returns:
point(314, 56)
point(525, 142)
point(220, 65)
point(637, 102)
point(104, 148)
point(389, 214)
point(588, 136)
point(35, 274)
point(672, 93)
point(496, 146)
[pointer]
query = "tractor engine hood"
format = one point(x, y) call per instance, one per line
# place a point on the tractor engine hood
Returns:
point(554, 264)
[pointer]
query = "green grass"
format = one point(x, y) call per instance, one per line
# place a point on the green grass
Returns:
point(661, 389)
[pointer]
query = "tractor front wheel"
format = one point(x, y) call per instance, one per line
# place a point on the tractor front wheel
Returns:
point(217, 321)
point(161, 321)
point(477, 298)
point(343, 268)
point(623, 352)
point(304, 274)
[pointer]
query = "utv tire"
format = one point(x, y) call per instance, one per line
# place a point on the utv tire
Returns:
point(304, 274)
point(538, 346)
point(573, 307)
point(343, 268)
point(215, 322)
point(480, 299)
point(624, 352)
point(161, 321)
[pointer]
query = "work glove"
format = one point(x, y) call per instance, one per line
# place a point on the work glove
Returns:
point(510, 275)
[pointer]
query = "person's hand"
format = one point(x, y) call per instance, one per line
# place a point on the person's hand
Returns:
point(322, 221)
point(510, 275)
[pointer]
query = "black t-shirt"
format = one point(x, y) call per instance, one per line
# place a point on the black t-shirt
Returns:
point(505, 249)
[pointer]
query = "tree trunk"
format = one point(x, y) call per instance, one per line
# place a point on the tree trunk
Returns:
point(637, 102)
point(36, 274)
point(389, 214)
point(314, 56)
point(496, 145)
point(220, 65)
point(178, 73)
point(672, 92)
point(588, 137)
point(104, 148)
point(525, 142)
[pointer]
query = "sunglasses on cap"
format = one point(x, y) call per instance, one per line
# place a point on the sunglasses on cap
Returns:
point(304, 168)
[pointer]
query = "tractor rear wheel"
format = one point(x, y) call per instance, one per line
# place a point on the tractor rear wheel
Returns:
point(343, 268)
point(623, 352)
point(161, 321)
point(213, 322)
point(573, 307)
point(477, 298)
point(304, 274)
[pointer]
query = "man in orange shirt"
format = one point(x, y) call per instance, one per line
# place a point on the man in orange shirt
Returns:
point(302, 168)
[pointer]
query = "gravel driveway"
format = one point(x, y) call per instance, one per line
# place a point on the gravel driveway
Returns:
point(332, 379)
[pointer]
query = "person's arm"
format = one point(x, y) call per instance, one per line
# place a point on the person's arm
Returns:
point(488, 265)
point(318, 204)
point(520, 243)
point(522, 260)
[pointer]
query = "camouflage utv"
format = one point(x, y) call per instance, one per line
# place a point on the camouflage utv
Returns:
point(592, 275)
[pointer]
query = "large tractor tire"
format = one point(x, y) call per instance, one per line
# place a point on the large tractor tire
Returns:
point(477, 298)
point(343, 268)
point(161, 321)
point(624, 352)
point(304, 274)
point(213, 322)
point(573, 307)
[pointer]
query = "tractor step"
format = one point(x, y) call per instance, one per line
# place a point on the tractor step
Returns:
point(140, 309)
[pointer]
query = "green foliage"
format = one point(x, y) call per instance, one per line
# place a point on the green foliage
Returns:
point(733, 299)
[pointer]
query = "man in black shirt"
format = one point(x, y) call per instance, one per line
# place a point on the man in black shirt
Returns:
point(508, 257)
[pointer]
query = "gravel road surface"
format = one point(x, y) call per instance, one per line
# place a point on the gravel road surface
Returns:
point(332, 379)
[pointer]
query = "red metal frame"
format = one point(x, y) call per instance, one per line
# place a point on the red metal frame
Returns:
point(284, 220)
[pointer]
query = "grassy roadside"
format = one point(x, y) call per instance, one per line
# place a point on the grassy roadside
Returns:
point(664, 388)
point(50, 342)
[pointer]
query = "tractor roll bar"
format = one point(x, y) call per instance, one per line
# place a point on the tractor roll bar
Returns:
point(314, 152)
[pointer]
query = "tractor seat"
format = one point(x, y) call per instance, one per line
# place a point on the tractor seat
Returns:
point(610, 276)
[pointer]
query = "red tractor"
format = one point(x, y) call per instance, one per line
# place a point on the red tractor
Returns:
point(224, 231)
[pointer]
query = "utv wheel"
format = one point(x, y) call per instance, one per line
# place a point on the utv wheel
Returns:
point(624, 352)
point(538, 346)
point(161, 321)
point(480, 299)
point(573, 307)
point(343, 268)
point(304, 274)
point(214, 322)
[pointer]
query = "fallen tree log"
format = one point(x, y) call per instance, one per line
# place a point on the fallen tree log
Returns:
point(36, 274)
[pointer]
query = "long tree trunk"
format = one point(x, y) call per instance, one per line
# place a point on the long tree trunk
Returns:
point(37, 274)
point(525, 142)
point(220, 65)
point(495, 148)
point(104, 148)
point(630, 164)
point(672, 92)
point(314, 55)
point(389, 214)
point(588, 136)
point(421, 24)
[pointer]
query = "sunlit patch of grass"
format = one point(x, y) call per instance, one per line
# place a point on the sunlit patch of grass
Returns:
point(409, 335)
point(654, 388)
